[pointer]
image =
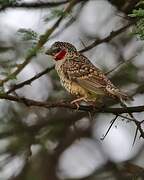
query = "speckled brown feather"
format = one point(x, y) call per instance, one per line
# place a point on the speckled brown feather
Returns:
point(82, 79)
point(83, 72)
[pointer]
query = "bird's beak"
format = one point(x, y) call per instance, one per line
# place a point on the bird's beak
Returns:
point(51, 51)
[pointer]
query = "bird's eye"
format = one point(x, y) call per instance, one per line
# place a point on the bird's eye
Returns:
point(56, 49)
point(53, 50)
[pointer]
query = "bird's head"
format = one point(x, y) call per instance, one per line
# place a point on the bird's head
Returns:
point(61, 50)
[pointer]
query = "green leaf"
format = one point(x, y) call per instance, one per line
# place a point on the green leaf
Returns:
point(138, 29)
point(8, 74)
point(137, 13)
point(28, 34)
point(12, 76)
point(55, 13)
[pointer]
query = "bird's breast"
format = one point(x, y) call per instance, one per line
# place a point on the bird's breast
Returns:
point(71, 86)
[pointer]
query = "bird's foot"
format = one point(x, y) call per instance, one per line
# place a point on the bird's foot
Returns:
point(76, 102)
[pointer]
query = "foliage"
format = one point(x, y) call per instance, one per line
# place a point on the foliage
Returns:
point(7, 2)
point(28, 34)
point(55, 13)
point(139, 27)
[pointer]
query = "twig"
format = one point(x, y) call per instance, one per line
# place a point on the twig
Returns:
point(138, 90)
point(72, 19)
point(121, 63)
point(29, 81)
point(108, 38)
point(129, 5)
point(138, 125)
point(128, 118)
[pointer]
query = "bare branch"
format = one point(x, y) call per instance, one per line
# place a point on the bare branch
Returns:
point(138, 90)
point(29, 81)
point(121, 63)
point(112, 35)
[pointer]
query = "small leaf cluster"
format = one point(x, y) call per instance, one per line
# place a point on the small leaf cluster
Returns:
point(28, 34)
point(55, 13)
point(7, 2)
point(139, 27)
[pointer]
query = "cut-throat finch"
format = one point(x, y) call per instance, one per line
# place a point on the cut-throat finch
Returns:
point(80, 77)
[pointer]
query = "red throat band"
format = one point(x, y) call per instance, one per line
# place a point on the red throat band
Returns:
point(60, 55)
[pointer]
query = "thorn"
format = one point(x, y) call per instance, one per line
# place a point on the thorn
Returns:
point(134, 140)
point(90, 116)
point(82, 43)
point(111, 124)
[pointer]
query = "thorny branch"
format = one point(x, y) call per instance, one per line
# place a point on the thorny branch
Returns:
point(65, 104)
point(138, 125)
point(95, 109)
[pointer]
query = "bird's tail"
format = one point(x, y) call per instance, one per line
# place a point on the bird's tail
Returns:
point(115, 92)
point(123, 96)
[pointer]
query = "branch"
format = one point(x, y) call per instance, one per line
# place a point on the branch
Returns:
point(112, 35)
point(29, 81)
point(129, 6)
point(45, 104)
point(64, 104)
point(43, 39)
point(138, 125)
point(139, 90)
point(32, 5)
point(125, 62)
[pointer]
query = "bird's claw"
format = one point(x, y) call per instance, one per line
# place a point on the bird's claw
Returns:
point(75, 103)
point(78, 100)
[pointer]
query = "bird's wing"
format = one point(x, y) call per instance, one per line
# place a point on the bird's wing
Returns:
point(82, 71)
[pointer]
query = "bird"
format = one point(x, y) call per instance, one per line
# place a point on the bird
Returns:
point(80, 77)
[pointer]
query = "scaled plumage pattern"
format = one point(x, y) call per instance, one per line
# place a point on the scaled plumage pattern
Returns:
point(80, 77)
